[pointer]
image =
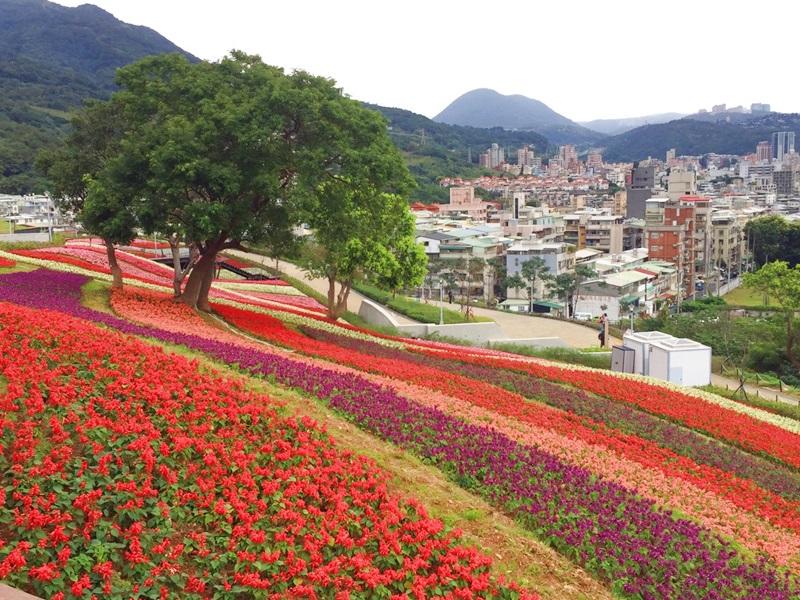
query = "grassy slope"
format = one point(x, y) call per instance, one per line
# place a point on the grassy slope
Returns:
point(743, 296)
point(516, 554)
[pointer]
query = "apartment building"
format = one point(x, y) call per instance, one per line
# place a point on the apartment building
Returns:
point(559, 258)
point(670, 237)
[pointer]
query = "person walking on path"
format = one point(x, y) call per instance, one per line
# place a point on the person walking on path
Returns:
point(602, 334)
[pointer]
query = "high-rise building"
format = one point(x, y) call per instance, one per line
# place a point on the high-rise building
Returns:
point(670, 155)
point(718, 108)
point(763, 151)
point(569, 157)
point(643, 180)
point(525, 156)
point(594, 160)
point(786, 182)
point(758, 107)
point(782, 143)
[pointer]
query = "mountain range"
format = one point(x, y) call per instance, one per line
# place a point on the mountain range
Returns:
point(617, 126)
point(53, 57)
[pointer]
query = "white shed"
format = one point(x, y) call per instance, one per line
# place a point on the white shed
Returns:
point(640, 342)
point(681, 361)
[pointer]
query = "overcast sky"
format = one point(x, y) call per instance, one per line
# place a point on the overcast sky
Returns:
point(585, 59)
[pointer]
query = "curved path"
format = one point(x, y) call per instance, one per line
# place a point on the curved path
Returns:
point(318, 284)
point(514, 326)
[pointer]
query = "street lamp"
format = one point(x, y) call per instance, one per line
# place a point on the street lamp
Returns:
point(441, 302)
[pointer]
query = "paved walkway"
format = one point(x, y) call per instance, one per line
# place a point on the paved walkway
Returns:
point(318, 284)
point(514, 325)
point(525, 326)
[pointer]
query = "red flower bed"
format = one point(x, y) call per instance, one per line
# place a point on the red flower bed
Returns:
point(6, 263)
point(745, 494)
point(131, 474)
point(740, 429)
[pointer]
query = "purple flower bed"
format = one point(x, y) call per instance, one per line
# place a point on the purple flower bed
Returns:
point(681, 440)
point(643, 551)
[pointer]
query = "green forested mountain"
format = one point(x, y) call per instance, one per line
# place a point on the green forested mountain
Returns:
point(52, 58)
point(694, 137)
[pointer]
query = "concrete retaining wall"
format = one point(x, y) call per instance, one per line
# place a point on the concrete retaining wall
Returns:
point(477, 333)
point(542, 342)
point(375, 314)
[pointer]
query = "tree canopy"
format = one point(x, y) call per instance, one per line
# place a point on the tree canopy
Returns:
point(80, 183)
point(782, 284)
point(217, 154)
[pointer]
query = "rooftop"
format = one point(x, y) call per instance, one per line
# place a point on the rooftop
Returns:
point(624, 278)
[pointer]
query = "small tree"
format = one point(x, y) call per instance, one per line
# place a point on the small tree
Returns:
point(563, 287)
point(515, 282)
point(782, 284)
point(357, 234)
point(497, 270)
point(79, 183)
point(582, 273)
point(533, 270)
point(474, 270)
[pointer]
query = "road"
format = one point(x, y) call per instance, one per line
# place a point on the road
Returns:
point(318, 284)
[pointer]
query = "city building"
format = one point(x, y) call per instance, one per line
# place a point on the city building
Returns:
point(492, 158)
point(615, 295)
point(763, 151)
point(670, 156)
point(569, 157)
point(758, 107)
point(670, 237)
point(559, 258)
point(526, 157)
point(782, 144)
point(718, 108)
point(462, 195)
point(431, 240)
point(594, 160)
point(681, 182)
point(786, 182)
point(643, 179)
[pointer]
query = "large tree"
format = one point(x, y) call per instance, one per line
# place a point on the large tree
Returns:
point(781, 283)
point(78, 181)
point(773, 238)
point(210, 153)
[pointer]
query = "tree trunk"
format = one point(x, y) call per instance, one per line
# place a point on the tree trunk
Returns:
point(191, 294)
point(205, 286)
point(332, 297)
point(178, 274)
point(341, 299)
point(790, 340)
point(116, 272)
